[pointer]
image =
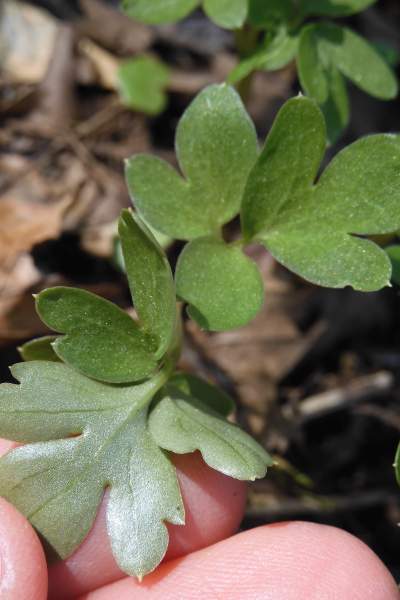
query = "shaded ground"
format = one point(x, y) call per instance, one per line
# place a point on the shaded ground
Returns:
point(317, 375)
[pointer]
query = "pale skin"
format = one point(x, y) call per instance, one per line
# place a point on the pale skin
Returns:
point(205, 559)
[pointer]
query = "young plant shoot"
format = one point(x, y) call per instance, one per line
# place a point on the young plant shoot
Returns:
point(100, 404)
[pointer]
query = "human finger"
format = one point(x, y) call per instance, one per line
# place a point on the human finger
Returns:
point(23, 570)
point(286, 561)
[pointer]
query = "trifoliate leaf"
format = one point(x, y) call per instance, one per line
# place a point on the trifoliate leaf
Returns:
point(229, 14)
point(312, 229)
point(142, 82)
point(333, 8)
point(58, 483)
point(205, 392)
point(150, 279)
point(394, 254)
point(269, 56)
point(40, 349)
point(103, 341)
point(157, 12)
point(223, 287)
point(263, 15)
point(182, 424)
point(216, 145)
point(324, 83)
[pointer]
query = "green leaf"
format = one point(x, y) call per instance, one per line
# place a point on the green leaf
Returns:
point(308, 227)
point(297, 138)
point(333, 8)
point(150, 280)
point(182, 424)
point(142, 82)
point(268, 56)
point(40, 349)
point(355, 58)
point(388, 53)
point(215, 137)
point(229, 14)
point(394, 254)
point(263, 15)
point(323, 82)
point(103, 341)
point(158, 11)
point(58, 483)
point(223, 287)
point(205, 392)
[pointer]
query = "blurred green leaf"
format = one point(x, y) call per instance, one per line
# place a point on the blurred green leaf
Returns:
point(327, 51)
point(394, 254)
point(333, 8)
point(205, 392)
point(269, 56)
point(158, 11)
point(182, 424)
point(229, 14)
point(103, 341)
point(58, 482)
point(150, 280)
point(40, 349)
point(312, 229)
point(323, 82)
point(223, 287)
point(355, 58)
point(142, 82)
point(264, 14)
point(216, 145)
point(388, 53)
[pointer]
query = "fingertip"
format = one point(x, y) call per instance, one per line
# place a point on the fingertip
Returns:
point(286, 561)
point(23, 564)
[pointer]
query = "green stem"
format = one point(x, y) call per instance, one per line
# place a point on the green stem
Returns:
point(172, 355)
point(245, 42)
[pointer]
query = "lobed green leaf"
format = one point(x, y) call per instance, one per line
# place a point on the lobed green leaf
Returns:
point(102, 340)
point(182, 424)
point(40, 349)
point(297, 138)
point(205, 392)
point(223, 287)
point(150, 280)
point(63, 480)
point(310, 228)
point(142, 82)
point(216, 146)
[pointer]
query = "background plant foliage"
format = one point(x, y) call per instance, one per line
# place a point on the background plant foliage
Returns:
point(326, 54)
